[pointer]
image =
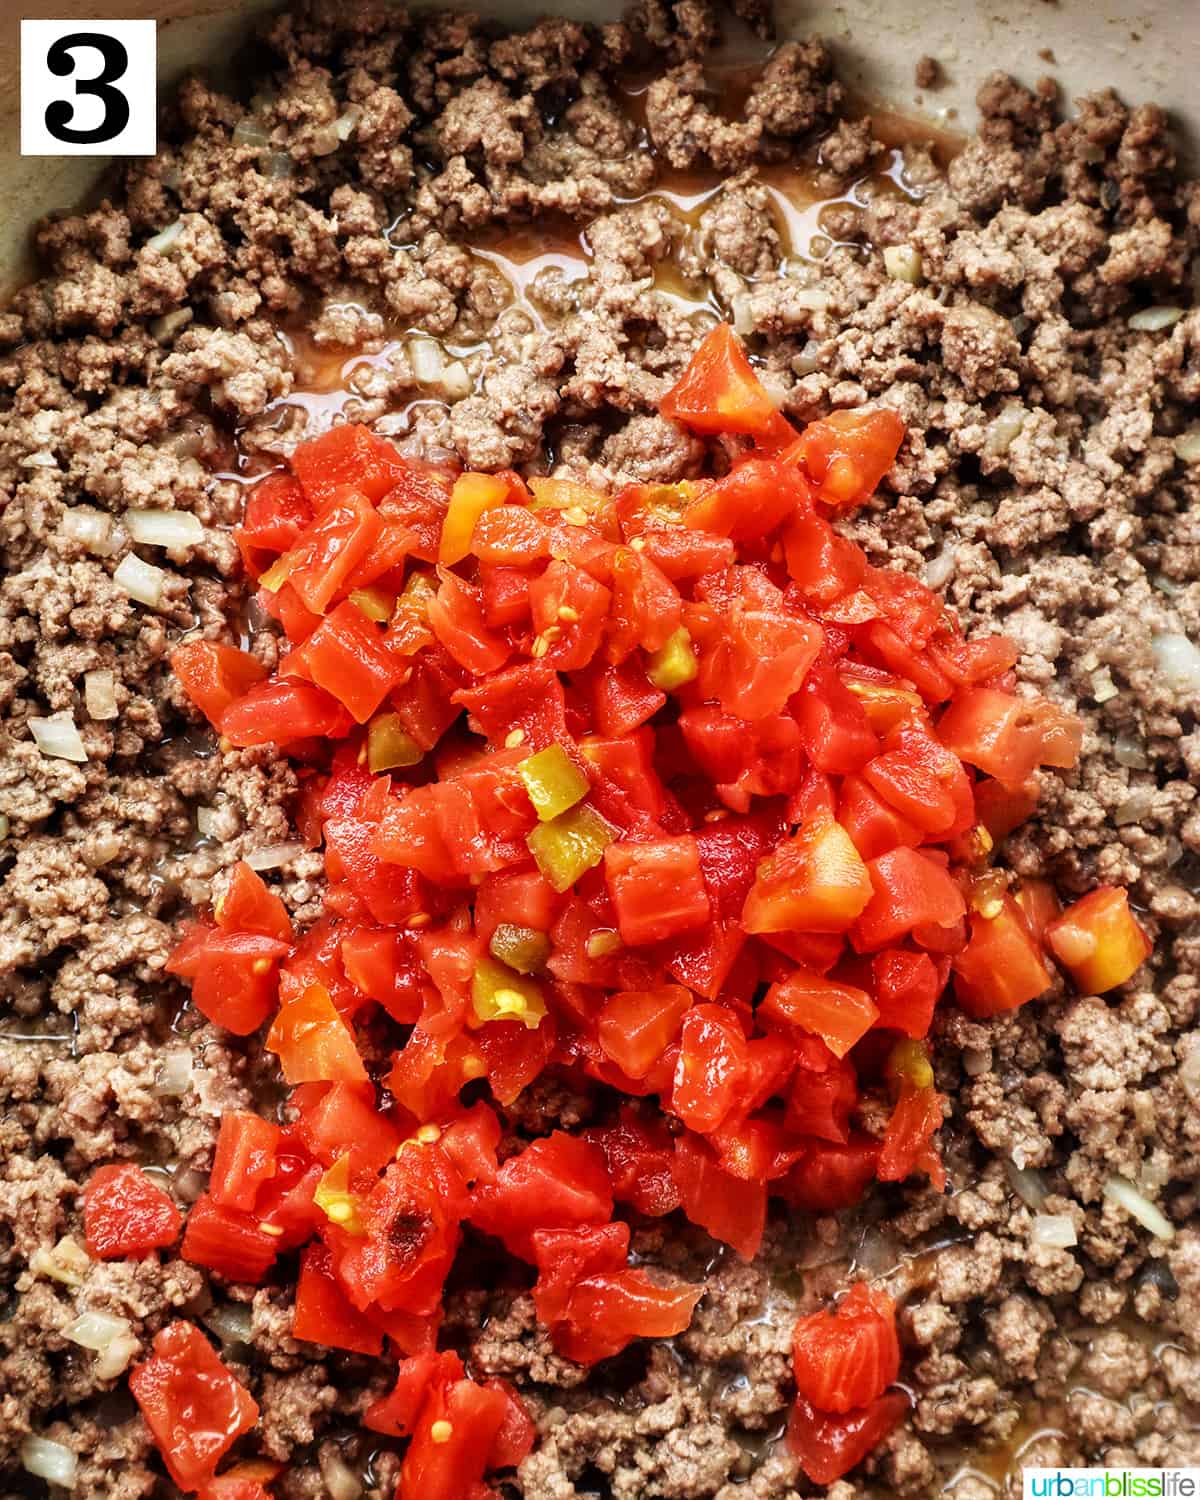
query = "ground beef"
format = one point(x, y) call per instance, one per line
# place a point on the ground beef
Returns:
point(197, 324)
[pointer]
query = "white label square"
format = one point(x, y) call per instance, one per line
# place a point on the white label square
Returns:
point(89, 88)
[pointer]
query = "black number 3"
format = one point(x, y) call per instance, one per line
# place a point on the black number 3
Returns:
point(116, 107)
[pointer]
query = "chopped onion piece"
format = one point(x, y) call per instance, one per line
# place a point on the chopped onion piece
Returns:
point(425, 356)
point(179, 317)
point(939, 570)
point(1120, 1191)
point(42, 459)
point(57, 736)
point(1187, 446)
point(164, 528)
point(175, 1072)
point(248, 132)
point(100, 694)
point(975, 1061)
point(90, 528)
point(3, 825)
point(1178, 661)
point(1005, 429)
point(1135, 807)
point(1027, 1184)
point(808, 359)
point(1103, 687)
point(114, 1360)
point(206, 822)
point(456, 380)
point(66, 1262)
point(811, 297)
point(1152, 319)
point(1055, 1231)
point(279, 165)
point(274, 856)
point(903, 263)
point(165, 238)
point(230, 1321)
point(743, 314)
point(345, 123)
point(53, 1462)
point(1130, 752)
point(96, 1330)
point(140, 580)
point(341, 1483)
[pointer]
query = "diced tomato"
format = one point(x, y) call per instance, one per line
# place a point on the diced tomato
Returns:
point(636, 1026)
point(657, 888)
point(711, 1071)
point(719, 392)
point(730, 1209)
point(606, 1312)
point(249, 905)
point(847, 453)
point(324, 1314)
point(838, 1013)
point(556, 1182)
point(340, 1119)
point(828, 1446)
point(409, 1235)
point(569, 609)
point(312, 1041)
point(1001, 808)
point(194, 1407)
point(908, 1142)
point(832, 1176)
point(247, 1147)
point(320, 564)
point(526, 697)
point(910, 891)
point(1039, 905)
point(281, 711)
point(275, 515)
point(228, 1241)
point(906, 991)
point(824, 1090)
point(234, 974)
point(348, 657)
point(846, 1358)
point(1098, 941)
point(215, 675)
point(813, 882)
point(126, 1215)
point(1001, 967)
point(640, 1157)
point(565, 1257)
point(1008, 737)
point(753, 499)
point(348, 454)
point(760, 657)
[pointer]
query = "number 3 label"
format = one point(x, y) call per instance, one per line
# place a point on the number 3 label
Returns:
point(88, 88)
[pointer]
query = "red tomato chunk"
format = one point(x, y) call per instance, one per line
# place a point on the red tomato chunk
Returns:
point(670, 796)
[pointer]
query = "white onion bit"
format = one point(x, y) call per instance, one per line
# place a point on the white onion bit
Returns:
point(340, 1480)
point(170, 323)
point(274, 856)
point(165, 238)
point(903, 263)
point(206, 822)
point(57, 737)
point(174, 1073)
point(1120, 1191)
point(53, 1462)
point(164, 528)
point(456, 380)
point(67, 1262)
point(140, 580)
point(1055, 1231)
point(114, 1360)
point(96, 1330)
point(100, 694)
point(1178, 660)
point(939, 570)
point(1027, 1184)
point(230, 1321)
point(1187, 446)
point(92, 529)
point(346, 122)
point(425, 356)
point(1154, 319)
point(1130, 752)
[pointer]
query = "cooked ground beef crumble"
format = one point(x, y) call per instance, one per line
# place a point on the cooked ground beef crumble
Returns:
point(352, 199)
